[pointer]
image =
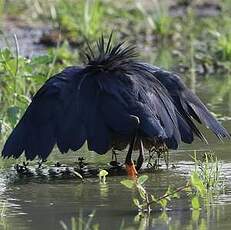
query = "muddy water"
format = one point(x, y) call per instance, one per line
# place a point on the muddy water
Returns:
point(42, 204)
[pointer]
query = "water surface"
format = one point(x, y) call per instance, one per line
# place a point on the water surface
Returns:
point(42, 204)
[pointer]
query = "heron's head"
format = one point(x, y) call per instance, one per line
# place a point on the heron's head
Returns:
point(108, 57)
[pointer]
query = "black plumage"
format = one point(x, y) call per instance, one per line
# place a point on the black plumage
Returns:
point(110, 102)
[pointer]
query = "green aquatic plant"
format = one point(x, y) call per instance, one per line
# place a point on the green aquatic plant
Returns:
point(204, 180)
point(208, 170)
point(144, 201)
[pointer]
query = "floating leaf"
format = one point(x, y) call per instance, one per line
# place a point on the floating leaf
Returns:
point(195, 203)
point(128, 183)
point(142, 179)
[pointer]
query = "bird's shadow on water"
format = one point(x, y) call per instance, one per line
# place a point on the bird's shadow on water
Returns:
point(22, 174)
point(47, 172)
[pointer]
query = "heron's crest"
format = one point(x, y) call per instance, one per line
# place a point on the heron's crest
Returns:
point(110, 57)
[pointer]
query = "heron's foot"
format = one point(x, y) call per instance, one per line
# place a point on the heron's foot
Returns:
point(131, 169)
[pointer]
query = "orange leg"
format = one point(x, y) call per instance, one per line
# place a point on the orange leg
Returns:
point(130, 166)
point(131, 169)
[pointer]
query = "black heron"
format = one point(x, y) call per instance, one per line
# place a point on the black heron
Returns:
point(111, 102)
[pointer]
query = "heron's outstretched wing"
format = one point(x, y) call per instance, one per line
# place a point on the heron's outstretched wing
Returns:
point(187, 103)
point(68, 110)
point(131, 94)
point(52, 117)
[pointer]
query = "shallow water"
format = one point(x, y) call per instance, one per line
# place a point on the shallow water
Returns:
point(42, 204)
point(38, 204)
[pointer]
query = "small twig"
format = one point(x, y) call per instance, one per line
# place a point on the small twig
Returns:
point(55, 57)
point(170, 194)
point(16, 67)
point(17, 54)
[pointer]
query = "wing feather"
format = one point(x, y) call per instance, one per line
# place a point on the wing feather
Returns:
point(41, 125)
point(187, 103)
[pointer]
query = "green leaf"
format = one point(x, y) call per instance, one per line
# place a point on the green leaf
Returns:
point(195, 203)
point(24, 99)
point(163, 202)
point(188, 189)
point(128, 183)
point(142, 179)
point(11, 66)
point(153, 198)
point(142, 191)
point(176, 195)
point(167, 194)
point(136, 202)
point(39, 60)
point(6, 54)
point(197, 183)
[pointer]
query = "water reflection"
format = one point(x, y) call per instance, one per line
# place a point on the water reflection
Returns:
point(104, 189)
point(29, 203)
